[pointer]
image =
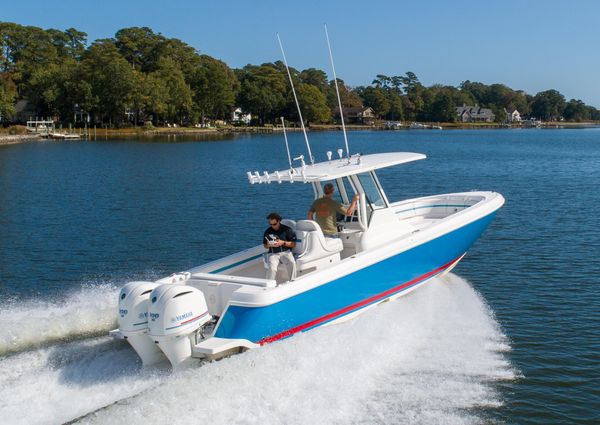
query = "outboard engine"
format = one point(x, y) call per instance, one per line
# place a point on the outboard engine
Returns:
point(134, 300)
point(176, 312)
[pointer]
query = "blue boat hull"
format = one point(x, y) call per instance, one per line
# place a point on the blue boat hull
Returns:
point(352, 292)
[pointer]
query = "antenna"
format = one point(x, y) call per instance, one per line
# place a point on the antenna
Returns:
point(287, 147)
point(337, 91)
point(312, 161)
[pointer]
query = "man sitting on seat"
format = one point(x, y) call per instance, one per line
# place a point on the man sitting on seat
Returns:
point(279, 239)
point(326, 208)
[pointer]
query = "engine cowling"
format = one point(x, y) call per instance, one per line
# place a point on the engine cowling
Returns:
point(175, 313)
point(134, 300)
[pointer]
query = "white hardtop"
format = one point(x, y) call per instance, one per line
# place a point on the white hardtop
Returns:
point(335, 168)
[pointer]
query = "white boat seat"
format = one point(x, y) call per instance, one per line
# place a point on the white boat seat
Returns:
point(313, 249)
point(289, 223)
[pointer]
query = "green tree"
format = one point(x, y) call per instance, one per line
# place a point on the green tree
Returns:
point(59, 89)
point(215, 88)
point(414, 91)
point(396, 110)
point(390, 88)
point(376, 98)
point(112, 81)
point(576, 110)
point(185, 56)
point(496, 95)
point(410, 81)
point(477, 91)
point(25, 50)
point(45, 90)
point(138, 46)
point(517, 100)
point(548, 105)
point(153, 97)
point(350, 98)
point(382, 81)
point(69, 44)
point(594, 113)
point(76, 43)
point(8, 93)
point(313, 104)
point(179, 102)
point(442, 107)
point(263, 91)
point(315, 77)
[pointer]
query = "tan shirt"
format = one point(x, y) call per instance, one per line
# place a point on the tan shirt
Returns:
point(325, 209)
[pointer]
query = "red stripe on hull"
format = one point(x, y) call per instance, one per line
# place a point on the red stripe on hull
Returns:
point(352, 307)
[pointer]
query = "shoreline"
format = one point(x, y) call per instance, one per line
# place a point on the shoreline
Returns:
point(138, 132)
point(11, 139)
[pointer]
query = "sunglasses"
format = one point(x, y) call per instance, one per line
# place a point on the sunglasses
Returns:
point(273, 224)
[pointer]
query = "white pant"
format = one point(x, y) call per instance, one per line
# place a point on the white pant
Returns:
point(286, 258)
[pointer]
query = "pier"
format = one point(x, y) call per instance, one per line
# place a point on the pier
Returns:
point(41, 126)
point(47, 128)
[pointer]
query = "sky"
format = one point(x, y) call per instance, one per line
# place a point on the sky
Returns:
point(531, 45)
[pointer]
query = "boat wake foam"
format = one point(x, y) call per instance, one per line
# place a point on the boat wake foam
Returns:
point(91, 310)
point(430, 357)
point(57, 384)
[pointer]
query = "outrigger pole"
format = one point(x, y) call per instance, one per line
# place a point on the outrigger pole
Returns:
point(312, 160)
point(337, 91)
point(287, 147)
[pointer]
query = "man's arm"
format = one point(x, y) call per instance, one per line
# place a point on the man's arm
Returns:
point(352, 206)
point(289, 244)
point(290, 239)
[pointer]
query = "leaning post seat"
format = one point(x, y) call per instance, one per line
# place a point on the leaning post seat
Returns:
point(313, 249)
point(289, 223)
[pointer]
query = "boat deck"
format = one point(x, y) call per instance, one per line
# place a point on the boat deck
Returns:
point(256, 269)
point(420, 222)
point(414, 215)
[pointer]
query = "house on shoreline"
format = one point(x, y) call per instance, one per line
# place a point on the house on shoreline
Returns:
point(240, 117)
point(356, 115)
point(513, 117)
point(474, 114)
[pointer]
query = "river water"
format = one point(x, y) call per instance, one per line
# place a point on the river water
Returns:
point(511, 336)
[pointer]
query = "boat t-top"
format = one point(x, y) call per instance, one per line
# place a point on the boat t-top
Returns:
point(385, 250)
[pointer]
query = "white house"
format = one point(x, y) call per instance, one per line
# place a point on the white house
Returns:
point(513, 116)
point(238, 116)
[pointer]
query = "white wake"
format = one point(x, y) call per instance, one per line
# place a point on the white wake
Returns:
point(430, 357)
point(90, 310)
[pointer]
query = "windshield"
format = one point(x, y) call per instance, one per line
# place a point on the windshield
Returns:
point(372, 192)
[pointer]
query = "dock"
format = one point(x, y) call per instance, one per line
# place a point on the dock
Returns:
point(47, 128)
point(40, 126)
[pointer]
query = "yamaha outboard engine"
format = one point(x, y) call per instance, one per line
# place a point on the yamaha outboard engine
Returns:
point(176, 312)
point(134, 300)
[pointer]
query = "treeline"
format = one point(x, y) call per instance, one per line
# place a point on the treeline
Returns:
point(405, 98)
point(140, 76)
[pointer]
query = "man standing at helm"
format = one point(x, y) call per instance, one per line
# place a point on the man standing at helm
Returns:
point(326, 208)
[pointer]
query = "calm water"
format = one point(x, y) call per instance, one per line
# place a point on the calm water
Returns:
point(513, 337)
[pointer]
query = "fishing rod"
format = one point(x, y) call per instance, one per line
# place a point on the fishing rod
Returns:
point(337, 91)
point(287, 147)
point(312, 160)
